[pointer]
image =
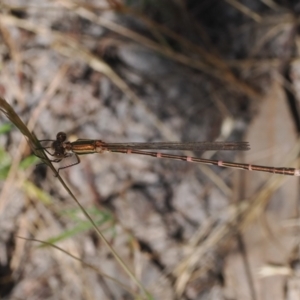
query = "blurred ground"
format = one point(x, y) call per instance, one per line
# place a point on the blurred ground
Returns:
point(152, 71)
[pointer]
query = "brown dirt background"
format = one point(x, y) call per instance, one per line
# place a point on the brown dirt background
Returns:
point(130, 71)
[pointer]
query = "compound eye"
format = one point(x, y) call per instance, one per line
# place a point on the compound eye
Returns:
point(61, 136)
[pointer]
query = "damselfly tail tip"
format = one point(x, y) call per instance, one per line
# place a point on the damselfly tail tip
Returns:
point(297, 172)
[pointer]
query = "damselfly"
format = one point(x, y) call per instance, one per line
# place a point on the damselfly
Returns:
point(62, 149)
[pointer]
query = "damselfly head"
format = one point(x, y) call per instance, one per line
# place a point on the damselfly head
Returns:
point(61, 137)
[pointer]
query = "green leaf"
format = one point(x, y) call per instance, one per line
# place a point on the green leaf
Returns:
point(83, 225)
point(5, 128)
point(28, 162)
point(5, 162)
point(75, 214)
